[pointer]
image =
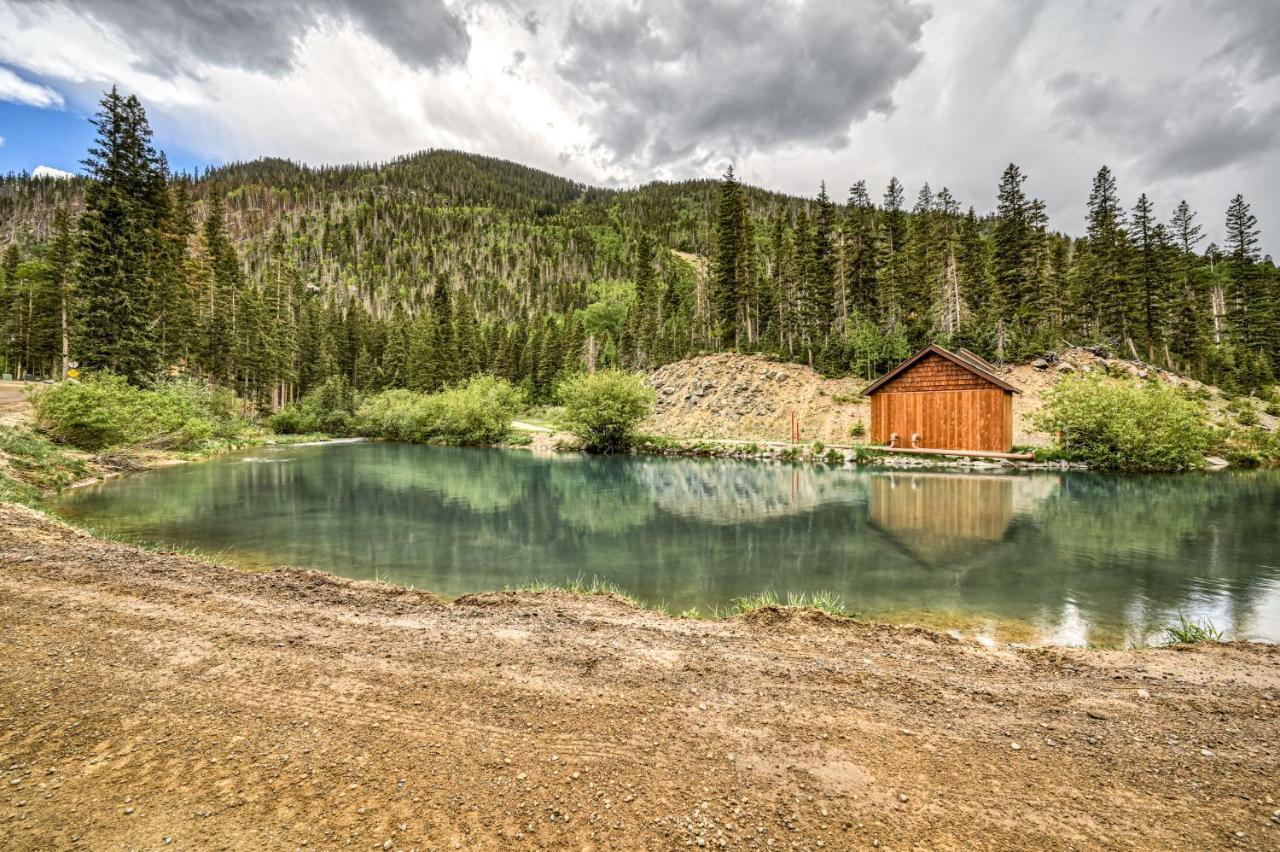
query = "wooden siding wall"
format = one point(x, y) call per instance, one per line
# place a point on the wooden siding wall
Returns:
point(933, 372)
point(979, 419)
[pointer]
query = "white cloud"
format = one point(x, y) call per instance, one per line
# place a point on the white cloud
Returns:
point(16, 90)
point(1158, 93)
point(50, 172)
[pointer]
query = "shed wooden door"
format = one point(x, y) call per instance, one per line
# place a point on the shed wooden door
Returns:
point(945, 420)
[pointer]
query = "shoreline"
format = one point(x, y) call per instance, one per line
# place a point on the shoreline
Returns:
point(154, 695)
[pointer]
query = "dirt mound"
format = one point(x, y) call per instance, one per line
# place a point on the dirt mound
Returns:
point(752, 398)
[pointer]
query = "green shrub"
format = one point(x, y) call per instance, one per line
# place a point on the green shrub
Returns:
point(1131, 426)
point(392, 414)
point(478, 412)
point(104, 411)
point(329, 408)
point(858, 429)
point(604, 409)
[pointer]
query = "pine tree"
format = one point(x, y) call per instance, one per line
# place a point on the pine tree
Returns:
point(1192, 320)
point(892, 260)
point(443, 369)
point(62, 260)
point(973, 265)
point(1106, 270)
point(860, 243)
point(819, 292)
point(1249, 304)
point(729, 282)
point(1150, 274)
point(118, 243)
point(642, 317)
point(223, 284)
point(467, 334)
point(13, 312)
point(175, 298)
point(1011, 246)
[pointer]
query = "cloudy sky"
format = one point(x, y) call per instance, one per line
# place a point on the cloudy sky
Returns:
point(1181, 98)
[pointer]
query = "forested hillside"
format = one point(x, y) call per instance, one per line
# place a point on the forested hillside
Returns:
point(273, 277)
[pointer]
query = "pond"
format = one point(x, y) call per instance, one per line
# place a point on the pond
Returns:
point(1066, 558)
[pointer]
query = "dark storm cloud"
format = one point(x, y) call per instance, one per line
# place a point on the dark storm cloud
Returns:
point(1171, 128)
point(733, 76)
point(262, 35)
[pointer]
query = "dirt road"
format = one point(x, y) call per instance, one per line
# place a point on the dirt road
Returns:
point(149, 699)
point(14, 407)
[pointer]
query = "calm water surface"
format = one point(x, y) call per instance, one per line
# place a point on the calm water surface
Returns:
point(1060, 557)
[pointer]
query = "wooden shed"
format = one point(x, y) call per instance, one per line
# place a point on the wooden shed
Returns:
point(941, 400)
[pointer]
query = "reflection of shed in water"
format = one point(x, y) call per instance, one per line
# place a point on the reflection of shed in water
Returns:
point(939, 518)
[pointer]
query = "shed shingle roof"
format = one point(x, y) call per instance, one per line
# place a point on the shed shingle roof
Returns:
point(964, 358)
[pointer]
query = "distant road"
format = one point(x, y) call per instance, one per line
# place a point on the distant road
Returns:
point(14, 407)
point(529, 427)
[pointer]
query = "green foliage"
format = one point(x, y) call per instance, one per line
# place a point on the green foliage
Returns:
point(1243, 409)
point(478, 412)
point(475, 413)
point(31, 464)
point(1129, 426)
point(858, 429)
point(604, 409)
point(328, 409)
point(105, 411)
point(1192, 631)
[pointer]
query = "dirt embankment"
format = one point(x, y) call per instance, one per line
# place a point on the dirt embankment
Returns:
point(748, 397)
point(752, 398)
point(153, 699)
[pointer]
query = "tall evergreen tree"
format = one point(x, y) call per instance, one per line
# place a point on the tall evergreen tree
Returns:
point(1250, 304)
point(893, 254)
point(730, 273)
point(1106, 270)
point(1192, 321)
point(223, 285)
point(1150, 274)
point(118, 235)
point(860, 249)
point(62, 258)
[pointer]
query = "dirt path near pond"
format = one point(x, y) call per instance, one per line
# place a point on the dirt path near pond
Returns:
point(14, 407)
point(147, 696)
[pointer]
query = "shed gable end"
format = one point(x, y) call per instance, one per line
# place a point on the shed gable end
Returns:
point(935, 373)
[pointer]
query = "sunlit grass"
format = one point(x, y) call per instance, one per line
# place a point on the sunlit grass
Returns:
point(827, 602)
point(1192, 631)
point(580, 585)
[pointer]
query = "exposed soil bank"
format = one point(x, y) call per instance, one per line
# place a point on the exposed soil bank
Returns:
point(148, 696)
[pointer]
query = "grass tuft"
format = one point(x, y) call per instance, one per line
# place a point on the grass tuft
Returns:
point(1192, 631)
point(827, 602)
point(580, 585)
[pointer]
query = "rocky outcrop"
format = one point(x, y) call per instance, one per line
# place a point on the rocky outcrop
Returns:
point(750, 397)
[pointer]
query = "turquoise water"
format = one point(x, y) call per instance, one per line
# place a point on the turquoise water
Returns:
point(1060, 557)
